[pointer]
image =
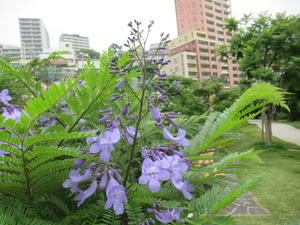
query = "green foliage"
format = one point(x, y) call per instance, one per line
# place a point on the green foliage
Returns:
point(218, 123)
point(267, 49)
point(39, 159)
point(91, 53)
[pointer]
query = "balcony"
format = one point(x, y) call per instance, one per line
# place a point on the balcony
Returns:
point(219, 21)
point(193, 77)
point(205, 61)
point(211, 25)
point(191, 61)
point(218, 7)
point(192, 69)
point(209, 10)
point(204, 53)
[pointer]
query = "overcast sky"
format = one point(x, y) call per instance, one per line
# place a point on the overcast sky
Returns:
point(105, 21)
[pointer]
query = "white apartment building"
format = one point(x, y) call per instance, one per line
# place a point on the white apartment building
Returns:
point(13, 51)
point(63, 46)
point(78, 42)
point(34, 38)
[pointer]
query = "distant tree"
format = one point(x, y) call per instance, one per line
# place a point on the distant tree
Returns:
point(225, 98)
point(265, 48)
point(115, 47)
point(89, 52)
point(181, 98)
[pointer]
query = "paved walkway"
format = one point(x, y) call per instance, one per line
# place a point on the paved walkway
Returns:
point(246, 204)
point(282, 131)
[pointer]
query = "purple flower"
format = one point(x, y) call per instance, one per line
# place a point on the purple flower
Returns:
point(166, 216)
point(4, 97)
point(125, 109)
point(116, 96)
point(160, 90)
point(2, 153)
point(162, 98)
point(172, 122)
point(83, 195)
point(184, 187)
point(76, 178)
point(155, 113)
point(106, 117)
point(177, 166)
point(116, 195)
point(152, 172)
point(13, 112)
point(119, 86)
point(52, 122)
point(79, 163)
point(103, 181)
point(105, 143)
point(176, 84)
point(180, 137)
point(130, 133)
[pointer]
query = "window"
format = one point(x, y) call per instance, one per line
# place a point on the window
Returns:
point(195, 18)
point(180, 11)
point(176, 69)
point(194, 11)
point(67, 45)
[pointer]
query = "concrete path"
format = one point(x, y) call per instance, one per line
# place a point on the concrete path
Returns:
point(282, 131)
point(246, 204)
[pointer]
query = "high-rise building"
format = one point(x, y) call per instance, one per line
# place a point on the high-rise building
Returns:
point(200, 25)
point(34, 38)
point(10, 51)
point(78, 42)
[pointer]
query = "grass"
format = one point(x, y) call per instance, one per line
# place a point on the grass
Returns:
point(295, 124)
point(279, 193)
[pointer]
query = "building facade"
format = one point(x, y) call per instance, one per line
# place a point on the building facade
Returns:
point(12, 52)
point(34, 38)
point(78, 42)
point(200, 26)
point(70, 56)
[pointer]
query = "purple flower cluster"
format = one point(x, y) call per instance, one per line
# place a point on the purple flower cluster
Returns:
point(160, 163)
point(10, 111)
point(163, 216)
point(165, 168)
point(115, 192)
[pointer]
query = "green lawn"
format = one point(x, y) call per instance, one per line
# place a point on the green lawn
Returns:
point(279, 193)
point(295, 124)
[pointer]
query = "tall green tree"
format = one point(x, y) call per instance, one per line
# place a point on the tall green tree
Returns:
point(265, 47)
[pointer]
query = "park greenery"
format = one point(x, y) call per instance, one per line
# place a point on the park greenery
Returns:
point(120, 146)
point(267, 49)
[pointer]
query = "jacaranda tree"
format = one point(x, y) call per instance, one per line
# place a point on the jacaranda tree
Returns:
point(97, 150)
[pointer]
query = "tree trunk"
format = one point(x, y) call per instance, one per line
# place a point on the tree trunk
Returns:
point(268, 124)
point(263, 127)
